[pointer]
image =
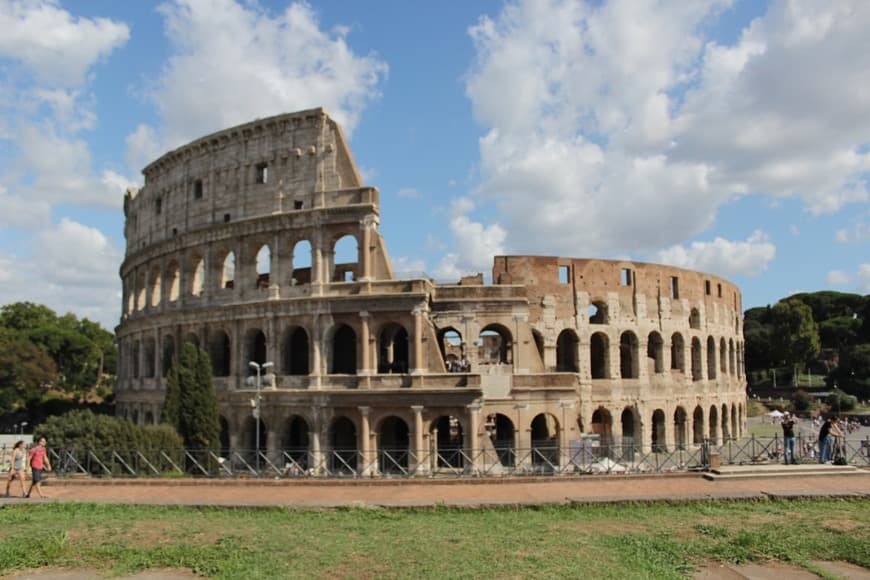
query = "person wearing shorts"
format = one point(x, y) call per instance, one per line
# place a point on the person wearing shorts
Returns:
point(38, 463)
point(17, 471)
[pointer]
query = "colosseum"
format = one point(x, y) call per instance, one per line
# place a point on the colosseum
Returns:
point(260, 244)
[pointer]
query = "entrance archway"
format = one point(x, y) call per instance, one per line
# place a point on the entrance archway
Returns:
point(343, 447)
point(446, 432)
point(295, 442)
point(503, 439)
point(393, 442)
point(545, 442)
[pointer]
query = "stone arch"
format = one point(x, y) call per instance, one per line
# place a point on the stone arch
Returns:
point(723, 356)
point(394, 439)
point(598, 312)
point(655, 352)
point(393, 349)
point(545, 442)
point(631, 435)
point(150, 357)
point(567, 351)
point(345, 253)
point(695, 319)
point(228, 270)
point(452, 348)
point(726, 427)
point(503, 436)
point(697, 372)
point(602, 425)
point(295, 348)
point(698, 425)
point(155, 287)
point(658, 432)
point(220, 351)
point(343, 360)
point(711, 358)
point(343, 446)
point(599, 355)
point(448, 443)
point(301, 266)
point(681, 422)
point(263, 266)
point(678, 352)
point(735, 426)
point(135, 367)
point(628, 355)
point(494, 345)
point(255, 347)
point(731, 365)
point(714, 425)
point(295, 441)
point(173, 281)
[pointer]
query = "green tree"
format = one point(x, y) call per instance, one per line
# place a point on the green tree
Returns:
point(26, 371)
point(197, 419)
point(795, 336)
point(25, 316)
point(172, 398)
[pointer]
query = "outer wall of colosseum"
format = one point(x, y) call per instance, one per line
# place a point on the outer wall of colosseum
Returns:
point(260, 243)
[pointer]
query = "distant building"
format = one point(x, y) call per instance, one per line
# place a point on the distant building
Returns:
point(235, 243)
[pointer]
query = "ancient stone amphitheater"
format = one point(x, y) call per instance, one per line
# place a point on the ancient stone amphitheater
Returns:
point(260, 244)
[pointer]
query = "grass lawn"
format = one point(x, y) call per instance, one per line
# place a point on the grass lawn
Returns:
point(615, 541)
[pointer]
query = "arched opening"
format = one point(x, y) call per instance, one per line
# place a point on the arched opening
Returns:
point(295, 351)
point(698, 426)
point(697, 373)
point(731, 357)
point(249, 437)
point(723, 356)
point(681, 421)
point(452, 351)
point(256, 348)
point(501, 432)
point(141, 291)
point(173, 281)
point(695, 319)
point(599, 354)
point(393, 443)
point(446, 432)
point(735, 428)
point(714, 425)
point(197, 281)
point(711, 358)
point(228, 271)
point(678, 352)
point(545, 442)
point(219, 351)
point(598, 313)
point(655, 353)
point(602, 425)
point(494, 345)
point(726, 427)
point(301, 272)
point(343, 444)
point(224, 435)
point(264, 267)
point(150, 354)
point(566, 352)
point(628, 356)
point(658, 432)
point(136, 354)
point(168, 354)
point(539, 343)
point(156, 289)
point(343, 351)
point(630, 437)
point(393, 349)
point(295, 443)
point(346, 258)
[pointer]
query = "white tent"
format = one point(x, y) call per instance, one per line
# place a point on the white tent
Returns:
point(607, 465)
point(775, 414)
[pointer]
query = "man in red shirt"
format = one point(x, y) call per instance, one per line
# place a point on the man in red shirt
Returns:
point(38, 458)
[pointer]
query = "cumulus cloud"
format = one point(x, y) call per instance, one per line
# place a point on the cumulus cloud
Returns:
point(864, 278)
point(234, 61)
point(475, 243)
point(838, 278)
point(619, 128)
point(859, 231)
point(723, 257)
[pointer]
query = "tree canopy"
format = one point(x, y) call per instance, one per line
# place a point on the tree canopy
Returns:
point(191, 404)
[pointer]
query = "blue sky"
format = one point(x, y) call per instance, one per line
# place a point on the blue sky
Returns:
point(726, 136)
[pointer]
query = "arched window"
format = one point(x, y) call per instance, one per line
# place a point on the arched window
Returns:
point(452, 350)
point(296, 351)
point(658, 432)
point(346, 260)
point(598, 313)
point(654, 352)
point(731, 363)
point(256, 347)
point(343, 351)
point(695, 319)
point(698, 426)
point(228, 271)
point(301, 273)
point(494, 345)
point(602, 424)
point(343, 446)
point(150, 354)
point(599, 354)
point(697, 371)
point(545, 442)
point(264, 267)
point(680, 423)
point(173, 281)
point(393, 445)
point(628, 355)
point(566, 352)
point(219, 351)
point(295, 442)
point(711, 358)
point(714, 425)
point(156, 287)
point(393, 349)
point(678, 352)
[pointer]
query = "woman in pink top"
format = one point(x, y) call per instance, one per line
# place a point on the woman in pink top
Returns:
point(38, 462)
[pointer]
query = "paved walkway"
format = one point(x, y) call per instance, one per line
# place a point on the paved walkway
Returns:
point(304, 493)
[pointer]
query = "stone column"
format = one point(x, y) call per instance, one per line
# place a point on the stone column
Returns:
point(368, 225)
point(564, 451)
point(522, 438)
point(315, 455)
point(473, 448)
point(316, 374)
point(364, 367)
point(420, 465)
point(368, 466)
point(515, 345)
point(417, 362)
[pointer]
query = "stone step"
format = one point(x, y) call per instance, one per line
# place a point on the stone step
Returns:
point(748, 471)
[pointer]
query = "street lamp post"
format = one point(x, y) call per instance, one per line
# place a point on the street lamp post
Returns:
point(255, 403)
point(23, 425)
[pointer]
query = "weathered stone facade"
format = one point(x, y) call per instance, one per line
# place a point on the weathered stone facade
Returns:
point(231, 244)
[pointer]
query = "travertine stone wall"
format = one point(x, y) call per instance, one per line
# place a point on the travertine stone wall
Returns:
point(238, 242)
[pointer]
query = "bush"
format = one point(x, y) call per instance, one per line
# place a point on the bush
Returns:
point(85, 430)
point(802, 400)
point(839, 401)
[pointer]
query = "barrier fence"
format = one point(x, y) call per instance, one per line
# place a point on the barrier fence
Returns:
point(351, 463)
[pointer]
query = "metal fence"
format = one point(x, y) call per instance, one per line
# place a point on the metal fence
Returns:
point(397, 463)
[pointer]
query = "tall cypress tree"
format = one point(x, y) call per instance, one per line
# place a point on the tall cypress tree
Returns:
point(172, 399)
point(198, 421)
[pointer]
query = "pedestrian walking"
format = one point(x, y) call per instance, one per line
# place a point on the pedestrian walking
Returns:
point(38, 463)
point(19, 454)
point(788, 424)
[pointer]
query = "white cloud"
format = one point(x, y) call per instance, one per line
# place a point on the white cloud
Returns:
point(838, 278)
point(723, 257)
point(859, 231)
point(20, 212)
point(55, 46)
point(232, 62)
point(619, 128)
point(409, 193)
point(72, 268)
point(864, 278)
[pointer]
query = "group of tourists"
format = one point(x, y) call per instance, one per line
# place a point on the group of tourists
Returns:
point(830, 440)
point(37, 459)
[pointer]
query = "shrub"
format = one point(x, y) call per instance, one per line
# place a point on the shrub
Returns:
point(839, 401)
point(85, 430)
point(802, 400)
